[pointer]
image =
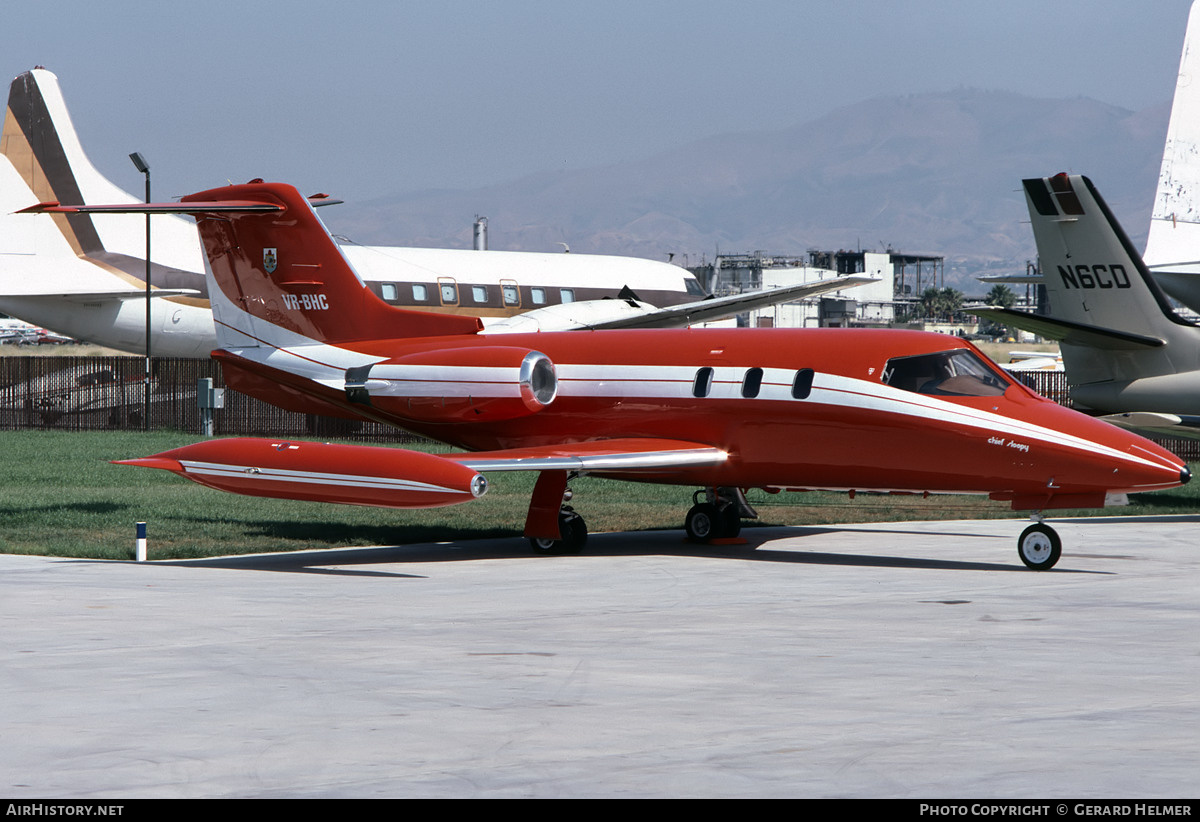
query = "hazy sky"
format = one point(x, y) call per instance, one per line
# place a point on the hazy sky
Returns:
point(365, 99)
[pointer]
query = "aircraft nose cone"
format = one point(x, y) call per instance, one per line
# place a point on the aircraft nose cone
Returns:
point(1185, 476)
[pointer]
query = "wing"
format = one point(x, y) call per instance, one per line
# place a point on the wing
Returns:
point(401, 478)
point(615, 314)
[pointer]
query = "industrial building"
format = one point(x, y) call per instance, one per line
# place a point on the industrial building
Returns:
point(902, 279)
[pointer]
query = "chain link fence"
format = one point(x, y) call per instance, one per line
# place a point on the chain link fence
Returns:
point(107, 393)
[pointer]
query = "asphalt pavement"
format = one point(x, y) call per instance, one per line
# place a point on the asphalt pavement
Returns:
point(884, 660)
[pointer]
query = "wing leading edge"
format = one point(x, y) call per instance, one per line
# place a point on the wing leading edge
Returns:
point(622, 314)
point(617, 455)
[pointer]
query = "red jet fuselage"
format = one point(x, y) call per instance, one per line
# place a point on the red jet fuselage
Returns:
point(735, 389)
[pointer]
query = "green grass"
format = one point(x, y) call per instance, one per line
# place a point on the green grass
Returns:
point(59, 496)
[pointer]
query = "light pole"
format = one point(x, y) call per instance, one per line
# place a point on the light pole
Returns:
point(140, 163)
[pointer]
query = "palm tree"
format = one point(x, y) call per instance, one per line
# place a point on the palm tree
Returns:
point(931, 303)
point(941, 303)
point(1002, 296)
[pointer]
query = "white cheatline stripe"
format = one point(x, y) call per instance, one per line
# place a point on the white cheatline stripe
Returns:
point(310, 477)
point(912, 404)
point(673, 382)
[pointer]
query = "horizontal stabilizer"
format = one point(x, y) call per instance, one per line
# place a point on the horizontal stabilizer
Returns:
point(211, 206)
point(118, 296)
point(1053, 328)
point(45, 280)
point(191, 207)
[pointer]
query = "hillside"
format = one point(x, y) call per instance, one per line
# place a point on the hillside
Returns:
point(928, 174)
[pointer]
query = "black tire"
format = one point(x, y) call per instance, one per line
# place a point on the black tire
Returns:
point(546, 547)
point(1039, 547)
point(731, 521)
point(574, 531)
point(574, 537)
point(703, 523)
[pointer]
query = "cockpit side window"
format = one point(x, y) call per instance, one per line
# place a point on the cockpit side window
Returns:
point(957, 373)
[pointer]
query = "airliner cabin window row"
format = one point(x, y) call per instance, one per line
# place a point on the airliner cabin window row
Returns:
point(956, 373)
point(448, 291)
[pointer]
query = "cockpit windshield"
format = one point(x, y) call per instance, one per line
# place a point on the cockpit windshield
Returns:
point(957, 373)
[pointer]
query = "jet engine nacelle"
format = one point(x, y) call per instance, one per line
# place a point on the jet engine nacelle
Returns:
point(323, 472)
point(481, 384)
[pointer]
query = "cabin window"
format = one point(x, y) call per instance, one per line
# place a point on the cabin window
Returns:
point(388, 292)
point(449, 291)
point(802, 385)
point(538, 295)
point(420, 292)
point(479, 293)
point(568, 295)
point(511, 293)
point(702, 385)
point(957, 373)
point(752, 383)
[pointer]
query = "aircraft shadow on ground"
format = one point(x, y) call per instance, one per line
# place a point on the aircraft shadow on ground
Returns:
point(754, 547)
point(96, 507)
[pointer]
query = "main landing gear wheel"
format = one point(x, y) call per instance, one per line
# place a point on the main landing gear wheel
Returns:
point(1039, 547)
point(574, 536)
point(701, 522)
point(706, 522)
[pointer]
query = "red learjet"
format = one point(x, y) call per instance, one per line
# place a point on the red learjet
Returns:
point(721, 409)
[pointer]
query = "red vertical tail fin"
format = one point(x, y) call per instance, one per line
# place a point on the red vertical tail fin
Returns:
point(279, 278)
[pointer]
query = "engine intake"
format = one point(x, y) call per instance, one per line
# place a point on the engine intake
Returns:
point(485, 383)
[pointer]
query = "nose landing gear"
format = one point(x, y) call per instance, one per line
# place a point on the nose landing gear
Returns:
point(1039, 546)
